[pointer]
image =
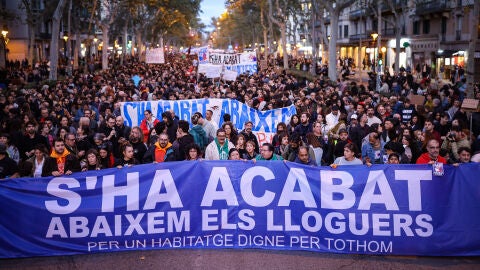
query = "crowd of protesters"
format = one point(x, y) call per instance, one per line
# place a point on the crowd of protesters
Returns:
point(75, 124)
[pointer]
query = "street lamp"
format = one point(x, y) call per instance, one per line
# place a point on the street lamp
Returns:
point(4, 33)
point(384, 58)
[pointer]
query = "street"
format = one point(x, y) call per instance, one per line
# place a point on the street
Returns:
point(237, 259)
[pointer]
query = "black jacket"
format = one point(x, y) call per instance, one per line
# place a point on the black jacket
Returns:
point(71, 164)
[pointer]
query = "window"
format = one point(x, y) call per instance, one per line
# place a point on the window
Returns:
point(345, 30)
point(416, 27)
point(426, 26)
point(340, 31)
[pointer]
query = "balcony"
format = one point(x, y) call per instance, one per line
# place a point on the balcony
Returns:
point(357, 37)
point(357, 14)
point(388, 32)
point(429, 7)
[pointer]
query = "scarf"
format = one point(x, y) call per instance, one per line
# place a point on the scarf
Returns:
point(160, 152)
point(222, 150)
point(61, 159)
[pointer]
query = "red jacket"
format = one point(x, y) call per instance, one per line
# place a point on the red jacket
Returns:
point(425, 159)
point(145, 129)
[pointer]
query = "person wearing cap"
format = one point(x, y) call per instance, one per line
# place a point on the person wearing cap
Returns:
point(332, 118)
point(8, 166)
point(61, 161)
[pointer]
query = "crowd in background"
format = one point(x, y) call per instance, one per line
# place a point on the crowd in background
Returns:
point(75, 124)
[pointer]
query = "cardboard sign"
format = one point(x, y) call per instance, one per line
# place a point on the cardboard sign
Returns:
point(470, 104)
point(417, 99)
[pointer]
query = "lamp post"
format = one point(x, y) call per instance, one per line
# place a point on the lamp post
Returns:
point(95, 40)
point(5, 42)
point(65, 38)
point(375, 51)
point(384, 58)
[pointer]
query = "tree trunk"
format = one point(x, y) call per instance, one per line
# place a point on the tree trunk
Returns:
point(57, 16)
point(105, 29)
point(398, 36)
point(470, 72)
point(265, 33)
point(31, 45)
point(3, 59)
point(76, 52)
point(332, 46)
point(313, 66)
point(283, 29)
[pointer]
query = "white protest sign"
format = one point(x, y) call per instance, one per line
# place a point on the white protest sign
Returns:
point(155, 56)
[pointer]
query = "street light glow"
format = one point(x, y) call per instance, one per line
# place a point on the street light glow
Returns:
point(4, 31)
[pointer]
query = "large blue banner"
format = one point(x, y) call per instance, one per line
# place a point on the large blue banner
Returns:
point(381, 210)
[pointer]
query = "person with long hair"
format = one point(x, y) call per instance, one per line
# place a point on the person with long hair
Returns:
point(127, 159)
point(294, 121)
point(193, 152)
point(92, 161)
point(105, 156)
point(314, 143)
point(250, 148)
point(412, 151)
point(241, 144)
point(281, 128)
point(230, 131)
point(45, 133)
point(284, 142)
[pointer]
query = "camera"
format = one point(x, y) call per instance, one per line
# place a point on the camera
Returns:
point(451, 135)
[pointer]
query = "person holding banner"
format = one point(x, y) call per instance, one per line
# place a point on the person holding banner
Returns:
point(60, 162)
point(303, 158)
point(432, 155)
point(218, 149)
point(127, 158)
point(193, 152)
point(348, 157)
point(267, 153)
